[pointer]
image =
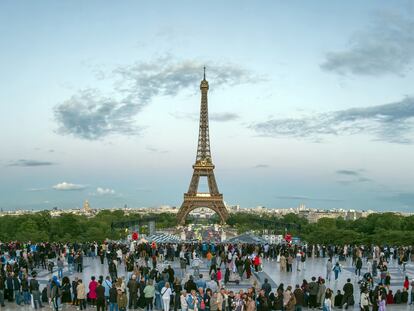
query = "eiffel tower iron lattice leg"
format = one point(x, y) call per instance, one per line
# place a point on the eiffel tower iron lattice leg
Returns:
point(203, 167)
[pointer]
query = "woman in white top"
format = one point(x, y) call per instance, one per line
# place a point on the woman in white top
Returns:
point(183, 300)
point(166, 296)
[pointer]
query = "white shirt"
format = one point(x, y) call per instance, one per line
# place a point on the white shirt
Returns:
point(166, 293)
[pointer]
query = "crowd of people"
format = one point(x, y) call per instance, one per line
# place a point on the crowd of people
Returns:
point(144, 276)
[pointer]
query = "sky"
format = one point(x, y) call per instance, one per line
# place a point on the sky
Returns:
point(310, 102)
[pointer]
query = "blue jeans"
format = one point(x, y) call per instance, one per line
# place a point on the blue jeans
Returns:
point(36, 299)
point(113, 306)
point(17, 296)
point(26, 297)
point(60, 272)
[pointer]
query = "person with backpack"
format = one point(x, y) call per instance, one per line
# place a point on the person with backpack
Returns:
point(55, 293)
point(336, 269)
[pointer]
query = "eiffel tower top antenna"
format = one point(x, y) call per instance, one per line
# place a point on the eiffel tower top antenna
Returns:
point(204, 72)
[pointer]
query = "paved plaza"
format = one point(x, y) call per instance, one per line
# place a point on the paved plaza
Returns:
point(271, 270)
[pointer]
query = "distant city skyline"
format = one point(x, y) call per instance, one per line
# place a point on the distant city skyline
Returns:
point(309, 102)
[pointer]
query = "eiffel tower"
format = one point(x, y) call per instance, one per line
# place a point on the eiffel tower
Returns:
point(203, 167)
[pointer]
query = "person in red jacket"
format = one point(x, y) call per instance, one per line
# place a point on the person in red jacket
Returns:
point(256, 263)
point(92, 290)
point(406, 283)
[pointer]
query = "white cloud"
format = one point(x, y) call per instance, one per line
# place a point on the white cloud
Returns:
point(104, 191)
point(65, 186)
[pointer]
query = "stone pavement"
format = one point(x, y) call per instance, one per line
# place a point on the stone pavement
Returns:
point(271, 270)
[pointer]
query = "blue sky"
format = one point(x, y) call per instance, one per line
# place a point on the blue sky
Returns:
point(310, 102)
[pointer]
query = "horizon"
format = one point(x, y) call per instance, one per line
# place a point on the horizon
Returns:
point(309, 103)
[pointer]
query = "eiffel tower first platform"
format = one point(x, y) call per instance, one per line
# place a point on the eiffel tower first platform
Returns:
point(203, 167)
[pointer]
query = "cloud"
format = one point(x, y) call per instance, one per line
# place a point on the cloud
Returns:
point(156, 150)
point(64, 186)
point(385, 47)
point(215, 116)
point(37, 189)
point(306, 198)
point(352, 177)
point(223, 116)
point(261, 166)
point(30, 163)
point(91, 115)
point(104, 191)
point(168, 76)
point(348, 172)
point(392, 123)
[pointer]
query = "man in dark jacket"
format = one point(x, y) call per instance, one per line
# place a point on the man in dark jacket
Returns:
point(34, 290)
point(263, 302)
point(348, 299)
point(100, 297)
point(300, 298)
point(313, 292)
point(190, 285)
point(2, 288)
point(133, 287)
point(9, 287)
point(266, 287)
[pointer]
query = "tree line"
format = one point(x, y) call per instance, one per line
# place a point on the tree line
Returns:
point(379, 228)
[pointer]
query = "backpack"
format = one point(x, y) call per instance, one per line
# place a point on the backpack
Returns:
point(44, 295)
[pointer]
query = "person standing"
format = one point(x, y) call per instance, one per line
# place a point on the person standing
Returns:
point(337, 270)
point(412, 292)
point(358, 266)
point(92, 290)
point(34, 290)
point(2, 288)
point(122, 300)
point(320, 298)
point(348, 299)
point(313, 292)
point(382, 302)
point(60, 267)
point(327, 302)
point(55, 293)
point(113, 298)
point(365, 301)
point(25, 290)
point(133, 287)
point(166, 296)
point(108, 285)
point(183, 301)
point(300, 298)
point(81, 295)
point(329, 268)
point(16, 289)
point(100, 296)
point(149, 292)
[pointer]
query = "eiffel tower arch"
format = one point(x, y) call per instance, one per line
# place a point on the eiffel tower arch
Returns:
point(203, 167)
